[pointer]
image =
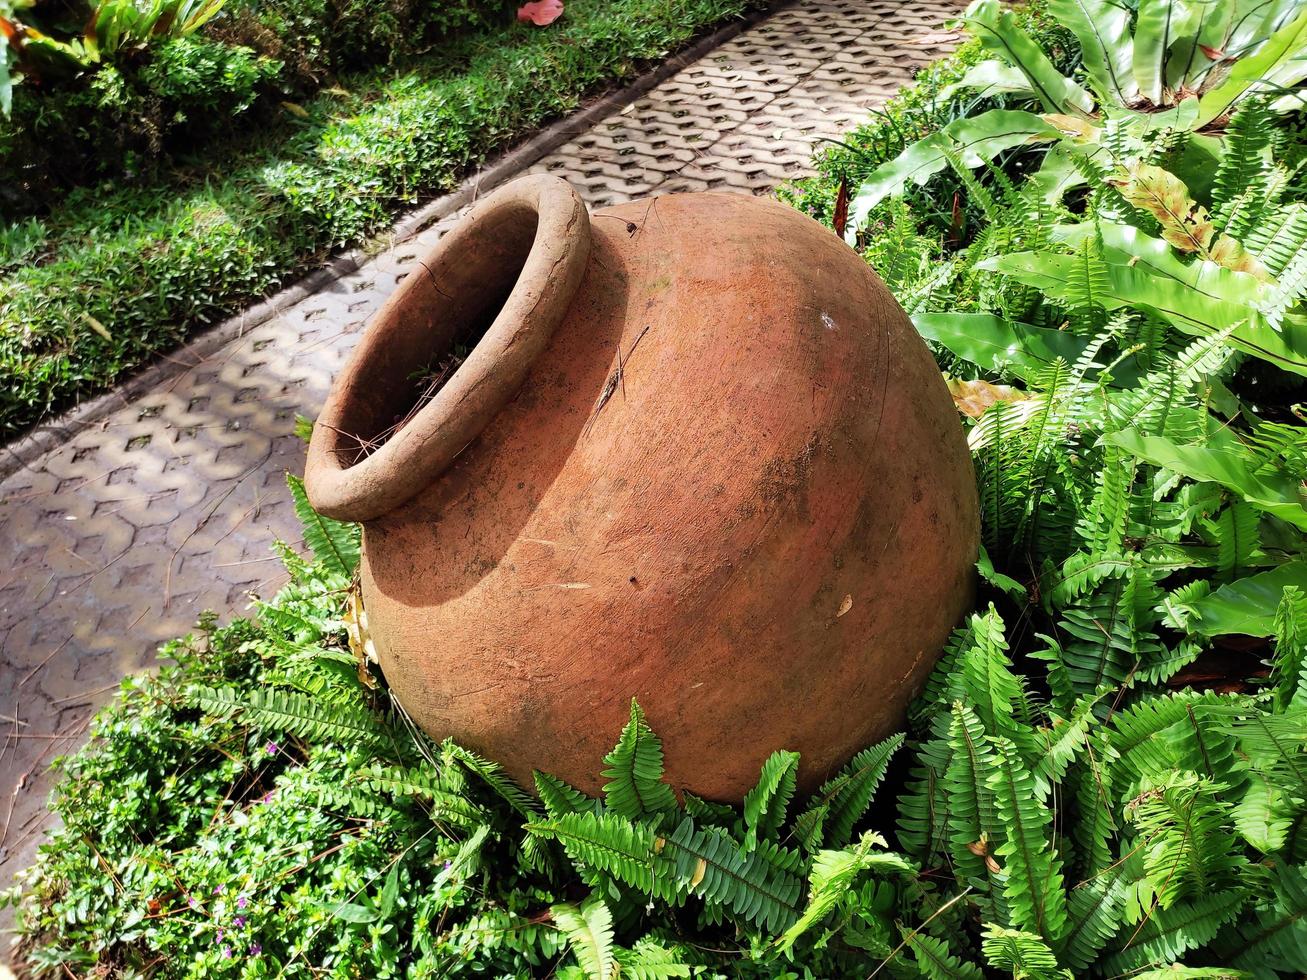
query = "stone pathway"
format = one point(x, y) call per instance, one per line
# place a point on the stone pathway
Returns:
point(119, 537)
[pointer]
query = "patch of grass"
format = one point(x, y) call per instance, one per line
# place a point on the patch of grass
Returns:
point(153, 264)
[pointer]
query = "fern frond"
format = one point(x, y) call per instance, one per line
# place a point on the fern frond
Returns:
point(1032, 868)
point(831, 881)
point(649, 960)
point(1169, 933)
point(765, 805)
point(493, 775)
point(936, 960)
point(612, 844)
point(1093, 917)
point(334, 544)
point(589, 931)
point(1275, 938)
point(974, 825)
point(1022, 953)
point(418, 784)
point(1181, 822)
point(1289, 665)
point(842, 800)
point(634, 770)
point(560, 798)
point(709, 864)
point(294, 713)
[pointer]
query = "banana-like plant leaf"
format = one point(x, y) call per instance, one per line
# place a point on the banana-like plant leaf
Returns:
point(1274, 493)
point(1103, 29)
point(994, 344)
point(1246, 605)
point(1170, 299)
point(1158, 24)
point(1278, 65)
point(996, 28)
point(974, 140)
point(989, 78)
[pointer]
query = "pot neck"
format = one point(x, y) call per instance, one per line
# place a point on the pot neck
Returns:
point(514, 262)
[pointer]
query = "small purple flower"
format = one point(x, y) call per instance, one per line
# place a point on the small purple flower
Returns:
point(267, 797)
point(241, 902)
point(226, 952)
point(220, 935)
point(271, 748)
point(217, 889)
point(255, 949)
point(448, 865)
point(238, 922)
point(190, 901)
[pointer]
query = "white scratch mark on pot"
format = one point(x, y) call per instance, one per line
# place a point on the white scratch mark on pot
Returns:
point(828, 321)
point(845, 606)
point(573, 585)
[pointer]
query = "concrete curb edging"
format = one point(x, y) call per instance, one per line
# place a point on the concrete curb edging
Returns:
point(46, 436)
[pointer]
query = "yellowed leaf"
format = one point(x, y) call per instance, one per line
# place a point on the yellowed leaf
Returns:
point(845, 606)
point(700, 869)
point(295, 110)
point(1231, 255)
point(1070, 125)
point(97, 326)
point(974, 398)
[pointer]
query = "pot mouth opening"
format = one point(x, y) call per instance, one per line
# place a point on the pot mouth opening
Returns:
point(449, 348)
point(442, 345)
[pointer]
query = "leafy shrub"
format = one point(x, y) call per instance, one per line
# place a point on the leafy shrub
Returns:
point(155, 261)
point(199, 76)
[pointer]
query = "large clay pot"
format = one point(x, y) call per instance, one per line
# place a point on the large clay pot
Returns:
point(700, 458)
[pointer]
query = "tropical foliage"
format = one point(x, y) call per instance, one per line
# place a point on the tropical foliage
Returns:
point(1105, 775)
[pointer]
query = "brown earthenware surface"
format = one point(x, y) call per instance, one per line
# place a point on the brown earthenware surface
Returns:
point(119, 536)
point(729, 482)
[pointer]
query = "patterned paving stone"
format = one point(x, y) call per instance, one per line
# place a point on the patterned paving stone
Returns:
point(120, 537)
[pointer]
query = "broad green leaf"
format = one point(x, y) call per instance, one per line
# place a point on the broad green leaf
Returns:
point(1103, 29)
point(1247, 605)
point(994, 344)
point(989, 78)
point(1158, 24)
point(1183, 307)
point(1274, 493)
point(997, 29)
point(1278, 65)
point(975, 140)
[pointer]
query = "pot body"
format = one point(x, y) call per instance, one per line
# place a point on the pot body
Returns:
point(731, 485)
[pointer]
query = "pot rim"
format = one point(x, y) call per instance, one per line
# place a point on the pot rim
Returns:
point(414, 457)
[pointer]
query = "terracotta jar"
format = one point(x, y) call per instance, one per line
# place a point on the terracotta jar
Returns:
point(700, 457)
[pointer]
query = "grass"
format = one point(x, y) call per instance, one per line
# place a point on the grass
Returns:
point(114, 276)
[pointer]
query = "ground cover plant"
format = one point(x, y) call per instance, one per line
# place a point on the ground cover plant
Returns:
point(109, 275)
point(1106, 774)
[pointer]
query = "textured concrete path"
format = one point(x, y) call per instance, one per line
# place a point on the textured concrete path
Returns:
point(118, 537)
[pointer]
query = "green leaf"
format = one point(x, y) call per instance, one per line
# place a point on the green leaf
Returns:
point(937, 961)
point(589, 931)
point(634, 770)
point(1022, 953)
point(1103, 29)
point(842, 800)
point(335, 544)
point(1272, 492)
point(765, 805)
point(1157, 26)
point(995, 344)
point(1031, 866)
point(974, 139)
point(997, 29)
point(1277, 65)
point(1247, 605)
